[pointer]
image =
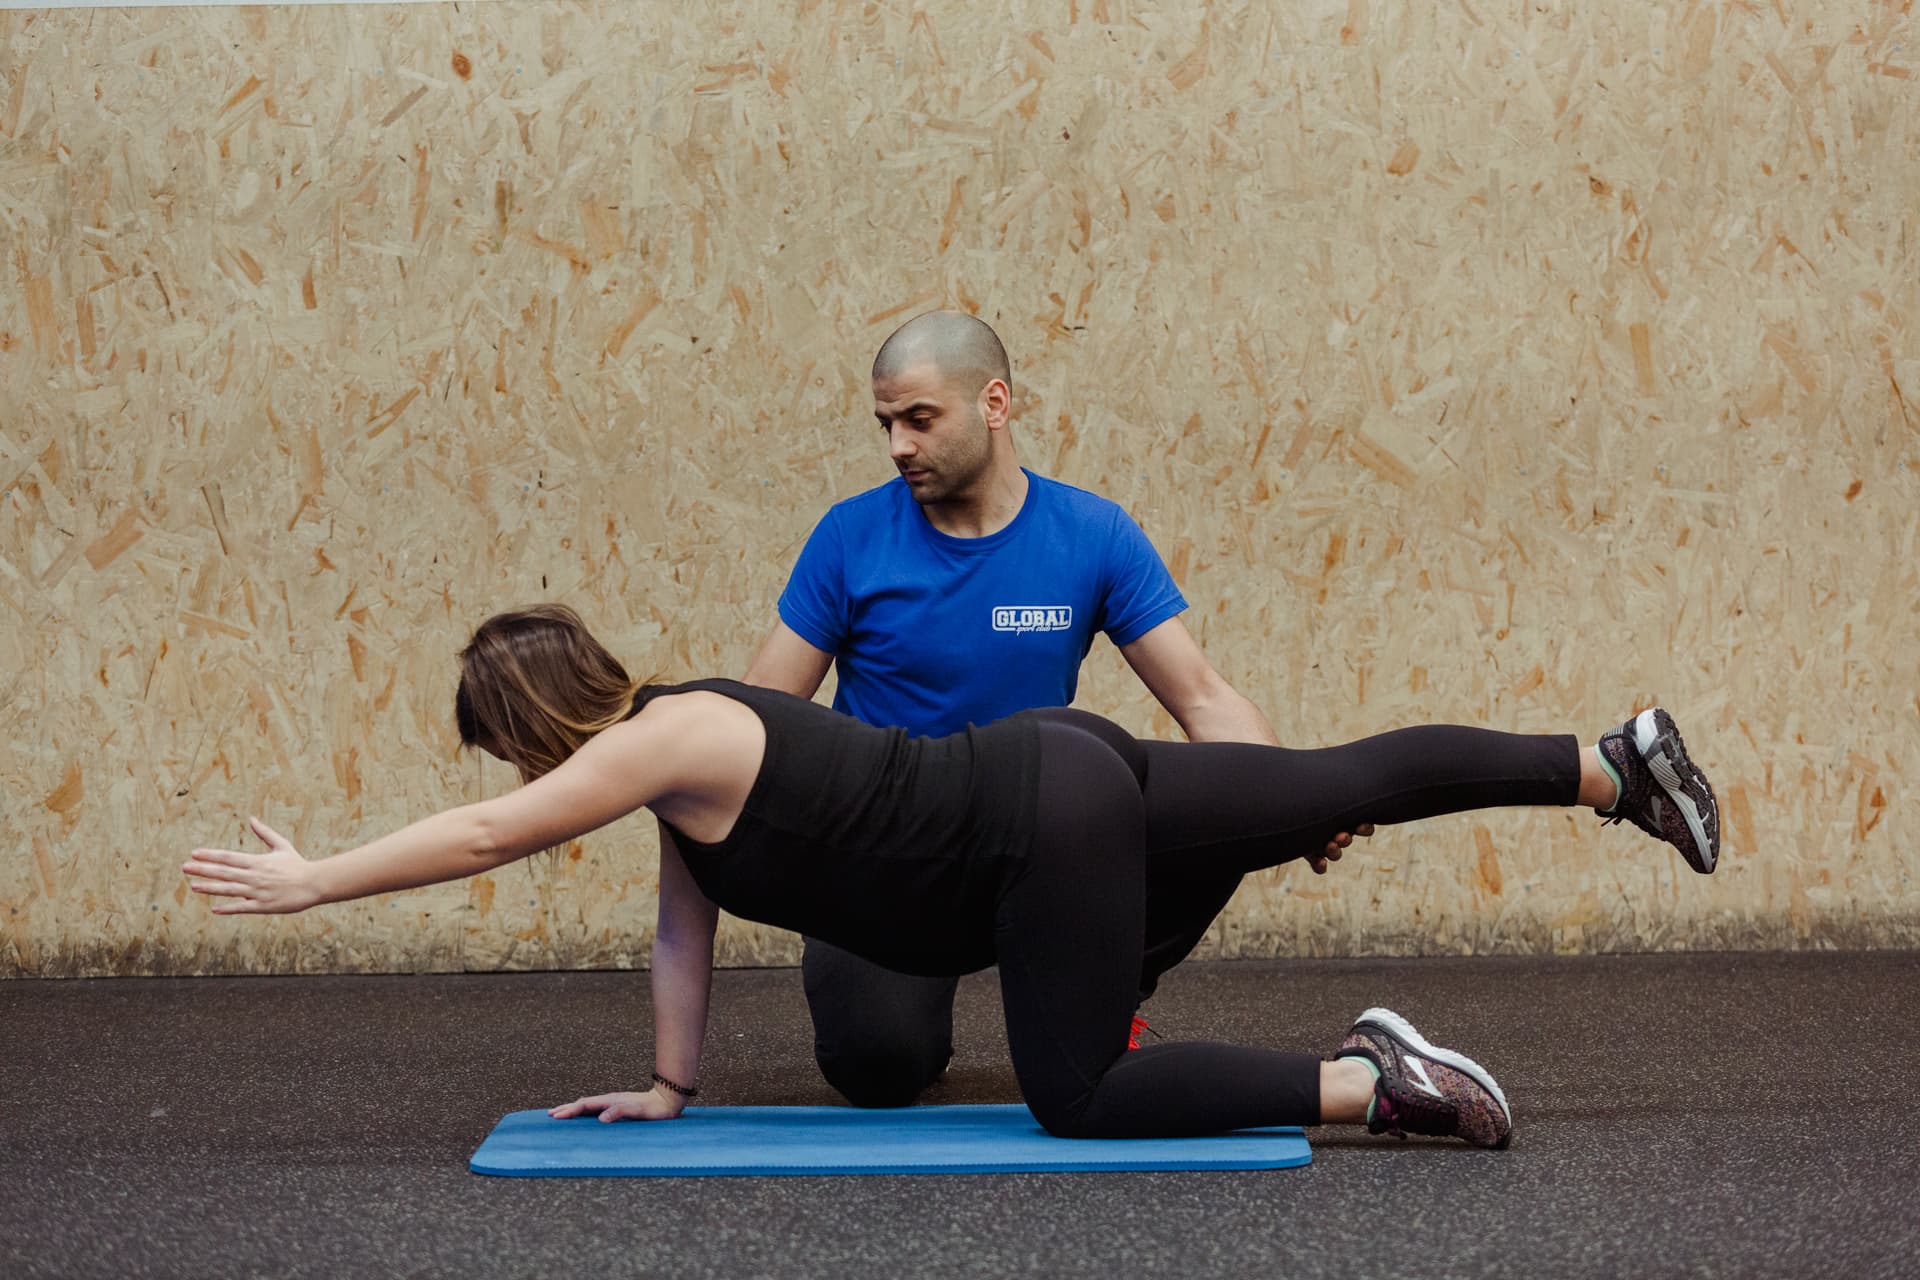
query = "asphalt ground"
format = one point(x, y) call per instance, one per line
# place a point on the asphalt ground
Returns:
point(1675, 1115)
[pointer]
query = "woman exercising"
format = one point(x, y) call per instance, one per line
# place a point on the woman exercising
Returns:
point(1036, 842)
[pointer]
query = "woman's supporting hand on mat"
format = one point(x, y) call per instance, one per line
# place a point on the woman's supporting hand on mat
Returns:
point(654, 1104)
point(277, 881)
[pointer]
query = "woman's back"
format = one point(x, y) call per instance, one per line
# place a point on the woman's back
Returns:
point(854, 833)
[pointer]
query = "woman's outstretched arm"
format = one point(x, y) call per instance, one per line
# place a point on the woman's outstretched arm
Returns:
point(682, 983)
point(618, 771)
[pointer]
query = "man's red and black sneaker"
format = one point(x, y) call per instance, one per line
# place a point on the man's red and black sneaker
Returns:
point(1138, 1029)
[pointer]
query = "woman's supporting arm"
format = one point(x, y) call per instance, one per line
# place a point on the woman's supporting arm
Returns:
point(682, 984)
point(682, 968)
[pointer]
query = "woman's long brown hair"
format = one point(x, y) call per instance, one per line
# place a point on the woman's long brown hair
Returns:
point(535, 685)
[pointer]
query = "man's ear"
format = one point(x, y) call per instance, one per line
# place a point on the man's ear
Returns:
point(996, 403)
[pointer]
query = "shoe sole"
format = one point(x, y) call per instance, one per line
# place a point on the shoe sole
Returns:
point(1657, 739)
point(1402, 1030)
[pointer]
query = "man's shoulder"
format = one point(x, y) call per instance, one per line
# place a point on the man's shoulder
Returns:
point(877, 503)
point(1076, 503)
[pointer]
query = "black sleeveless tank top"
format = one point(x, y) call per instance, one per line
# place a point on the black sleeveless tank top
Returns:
point(891, 846)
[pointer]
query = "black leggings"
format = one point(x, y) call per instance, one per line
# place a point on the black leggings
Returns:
point(1123, 824)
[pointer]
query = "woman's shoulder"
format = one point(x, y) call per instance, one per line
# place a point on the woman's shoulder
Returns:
point(688, 716)
point(653, 690)
point(761, 701)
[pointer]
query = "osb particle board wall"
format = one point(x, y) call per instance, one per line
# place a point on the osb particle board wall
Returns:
point(1470, 363)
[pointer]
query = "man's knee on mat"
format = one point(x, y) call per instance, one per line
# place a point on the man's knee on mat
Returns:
point(872, 1076)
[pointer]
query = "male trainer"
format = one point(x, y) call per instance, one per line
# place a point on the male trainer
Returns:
point(965, 590)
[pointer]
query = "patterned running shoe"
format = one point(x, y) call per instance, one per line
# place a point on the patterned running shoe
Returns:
point(1424, 1089)
point(1662, 791)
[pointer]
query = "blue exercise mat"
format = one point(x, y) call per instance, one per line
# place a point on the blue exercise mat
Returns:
point(721, 1141)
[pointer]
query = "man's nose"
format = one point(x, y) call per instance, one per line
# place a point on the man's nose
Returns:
point(900, 443)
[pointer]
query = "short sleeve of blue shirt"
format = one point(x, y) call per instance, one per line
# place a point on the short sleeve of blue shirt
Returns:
point(815, 602)
point(1140, 592)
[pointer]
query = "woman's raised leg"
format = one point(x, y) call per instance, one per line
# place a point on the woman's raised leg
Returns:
point(1222, 807)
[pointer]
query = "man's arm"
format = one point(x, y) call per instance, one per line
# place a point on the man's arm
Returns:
point(1207, 708)
point(788, 663)
point(1178, 675)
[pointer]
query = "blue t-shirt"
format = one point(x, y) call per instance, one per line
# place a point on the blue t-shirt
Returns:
point(932, 632)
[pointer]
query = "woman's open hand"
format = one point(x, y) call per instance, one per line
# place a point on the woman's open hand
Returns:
point(277, 881)
point(651, 1105)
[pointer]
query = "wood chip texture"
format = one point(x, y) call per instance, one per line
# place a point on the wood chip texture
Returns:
point(1488, 362)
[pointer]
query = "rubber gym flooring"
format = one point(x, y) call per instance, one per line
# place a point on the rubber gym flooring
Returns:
point(1675, 1115)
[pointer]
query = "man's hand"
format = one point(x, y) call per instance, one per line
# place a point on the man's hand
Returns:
point(654, 1104)
point(1336, 845)
point(277, 882)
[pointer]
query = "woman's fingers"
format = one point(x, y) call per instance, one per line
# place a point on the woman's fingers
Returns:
point(608, 1106)
point(226, 888)
point(218, 888)
point(214, 870)
point(217, 871)
point(221, 873)
point(268, 836)
point(227, 857)
point(275, 882)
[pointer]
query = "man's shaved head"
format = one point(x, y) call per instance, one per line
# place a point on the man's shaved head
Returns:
point(964, 348)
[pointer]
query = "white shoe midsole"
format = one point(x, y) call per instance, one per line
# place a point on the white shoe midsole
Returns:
point(1458, 1061)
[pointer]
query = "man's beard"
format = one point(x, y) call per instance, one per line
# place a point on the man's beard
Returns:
point(954, 475)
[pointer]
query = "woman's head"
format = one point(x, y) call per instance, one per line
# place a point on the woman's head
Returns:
point(535, 685)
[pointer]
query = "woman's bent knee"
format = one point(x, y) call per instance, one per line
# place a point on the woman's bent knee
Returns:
point(1062, 1119)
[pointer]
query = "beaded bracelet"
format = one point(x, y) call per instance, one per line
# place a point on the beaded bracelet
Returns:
point(684, 1090)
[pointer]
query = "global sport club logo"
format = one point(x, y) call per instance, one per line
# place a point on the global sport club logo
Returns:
point(1020, 619)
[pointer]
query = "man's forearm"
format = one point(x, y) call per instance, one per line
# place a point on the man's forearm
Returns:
point(1225, 716)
